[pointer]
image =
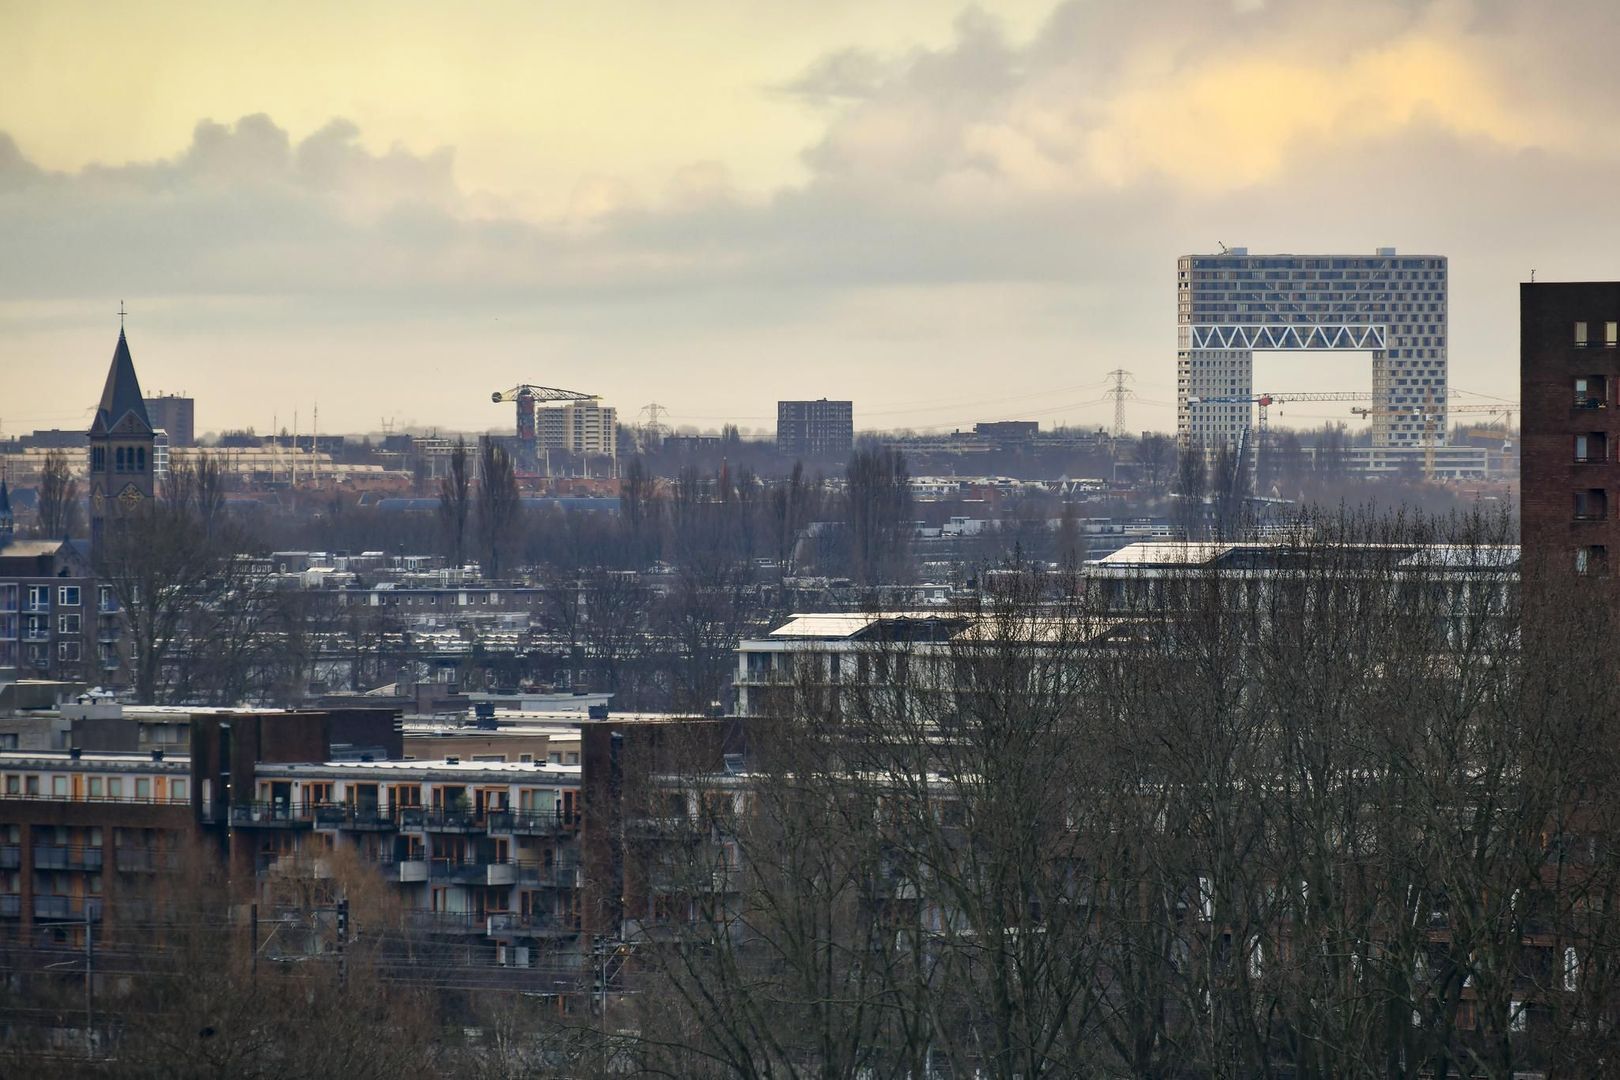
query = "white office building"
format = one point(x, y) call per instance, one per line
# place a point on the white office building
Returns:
point(1232, 304)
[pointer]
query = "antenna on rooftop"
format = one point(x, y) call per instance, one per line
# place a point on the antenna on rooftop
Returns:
point(1222, 246)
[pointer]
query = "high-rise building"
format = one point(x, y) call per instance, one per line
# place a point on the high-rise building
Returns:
point(818, 428)
point(176, 415)
point(1232, 304)
point(1569, 366)
point(580, 427)
point(123, 463)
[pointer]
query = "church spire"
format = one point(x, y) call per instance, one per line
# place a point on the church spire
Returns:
point(121, 399)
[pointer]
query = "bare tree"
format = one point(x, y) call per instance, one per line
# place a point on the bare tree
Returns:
point(879, 496)
point(455, 505)
point(499, 505)
point(59, 511)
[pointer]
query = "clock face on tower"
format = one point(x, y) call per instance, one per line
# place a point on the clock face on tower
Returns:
point(130, 497)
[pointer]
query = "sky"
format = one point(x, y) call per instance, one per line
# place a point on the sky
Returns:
point(947, 213)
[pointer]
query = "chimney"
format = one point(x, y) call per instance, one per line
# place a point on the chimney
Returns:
point(157, 755)
point(73, 753)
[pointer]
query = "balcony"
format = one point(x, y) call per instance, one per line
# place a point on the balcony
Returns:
point(452, 821)
point(144, 860)
point(447, 922)
point(518, 924)
point(530, 822)
point(361, 818)
point(411, 871)
point(273, 815)
point(67, 907)
point(474, 873)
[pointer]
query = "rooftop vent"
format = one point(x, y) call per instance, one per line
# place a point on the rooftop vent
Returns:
point(596, 712)
point(74, 752)
point(157, 755)
point(452, 759)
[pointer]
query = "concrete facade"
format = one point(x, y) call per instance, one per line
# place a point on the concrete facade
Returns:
point(1231, 304)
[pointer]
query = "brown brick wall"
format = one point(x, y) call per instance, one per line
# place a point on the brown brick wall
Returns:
point(1549, 364)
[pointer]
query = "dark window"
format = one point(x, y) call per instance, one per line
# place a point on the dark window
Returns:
point(1591, 392)
point(1592, 448)
point(1591, 505)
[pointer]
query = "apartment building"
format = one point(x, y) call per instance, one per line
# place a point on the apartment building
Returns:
point(1569, 364)
point(1231, 304)
point(819, 428)
point(82, 834)
point(55, 621)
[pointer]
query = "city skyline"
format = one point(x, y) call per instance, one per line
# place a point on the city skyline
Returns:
point(847, 205)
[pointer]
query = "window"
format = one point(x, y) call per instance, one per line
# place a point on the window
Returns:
point(1580, 335)
point(67, 624)
point(1611, 334)
point(115, 787)
point(98, 459)
point(1592, 448)
point(1589, 392)
point(67, 596)
point(143, 787)
point(59, 787)
point(1591, 559)
point(13, 785)
point(1591, 505)
point(106, 599)
point(1518, 1015)
point(119, 460)
point(31, 787)
point(95, 787)
point(1572, 959)
point(39, 598)
point(178, 790)
point(68, 651)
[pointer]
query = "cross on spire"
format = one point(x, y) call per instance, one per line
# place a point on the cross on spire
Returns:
point(121, 314)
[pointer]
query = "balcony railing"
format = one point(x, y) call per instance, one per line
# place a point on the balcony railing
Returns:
point(531, 822)
point(67, 907)
point(61, 857)
point(286, 815)
point(513, 923)
point(144, 860)
point(474, 872)
point(447, 922)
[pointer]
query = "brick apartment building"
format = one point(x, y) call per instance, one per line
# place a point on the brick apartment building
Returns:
point(1569, 370)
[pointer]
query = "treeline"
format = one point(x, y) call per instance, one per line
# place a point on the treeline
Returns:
point(1354, 818)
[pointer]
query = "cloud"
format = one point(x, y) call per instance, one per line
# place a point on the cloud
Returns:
point(989, 205)
point(1185, 93)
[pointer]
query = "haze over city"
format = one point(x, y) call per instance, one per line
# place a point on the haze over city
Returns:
point(945, 213)
point(745, 539)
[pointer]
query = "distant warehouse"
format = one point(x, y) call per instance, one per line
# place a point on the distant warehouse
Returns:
point(819, 428)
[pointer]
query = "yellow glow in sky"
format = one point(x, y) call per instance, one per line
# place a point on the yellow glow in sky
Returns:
point(535, 97)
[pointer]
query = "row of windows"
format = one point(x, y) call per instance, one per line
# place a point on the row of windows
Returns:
point(1611, 335)
point(126, 459)
point(59, 786)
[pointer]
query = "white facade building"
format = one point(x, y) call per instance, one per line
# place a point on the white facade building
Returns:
point(1231, 304)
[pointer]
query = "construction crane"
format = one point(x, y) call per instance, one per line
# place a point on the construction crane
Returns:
point(1263, 403)
point(527, 396)
point(1430, 414)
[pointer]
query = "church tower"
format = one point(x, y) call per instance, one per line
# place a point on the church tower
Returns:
point(122, 463)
